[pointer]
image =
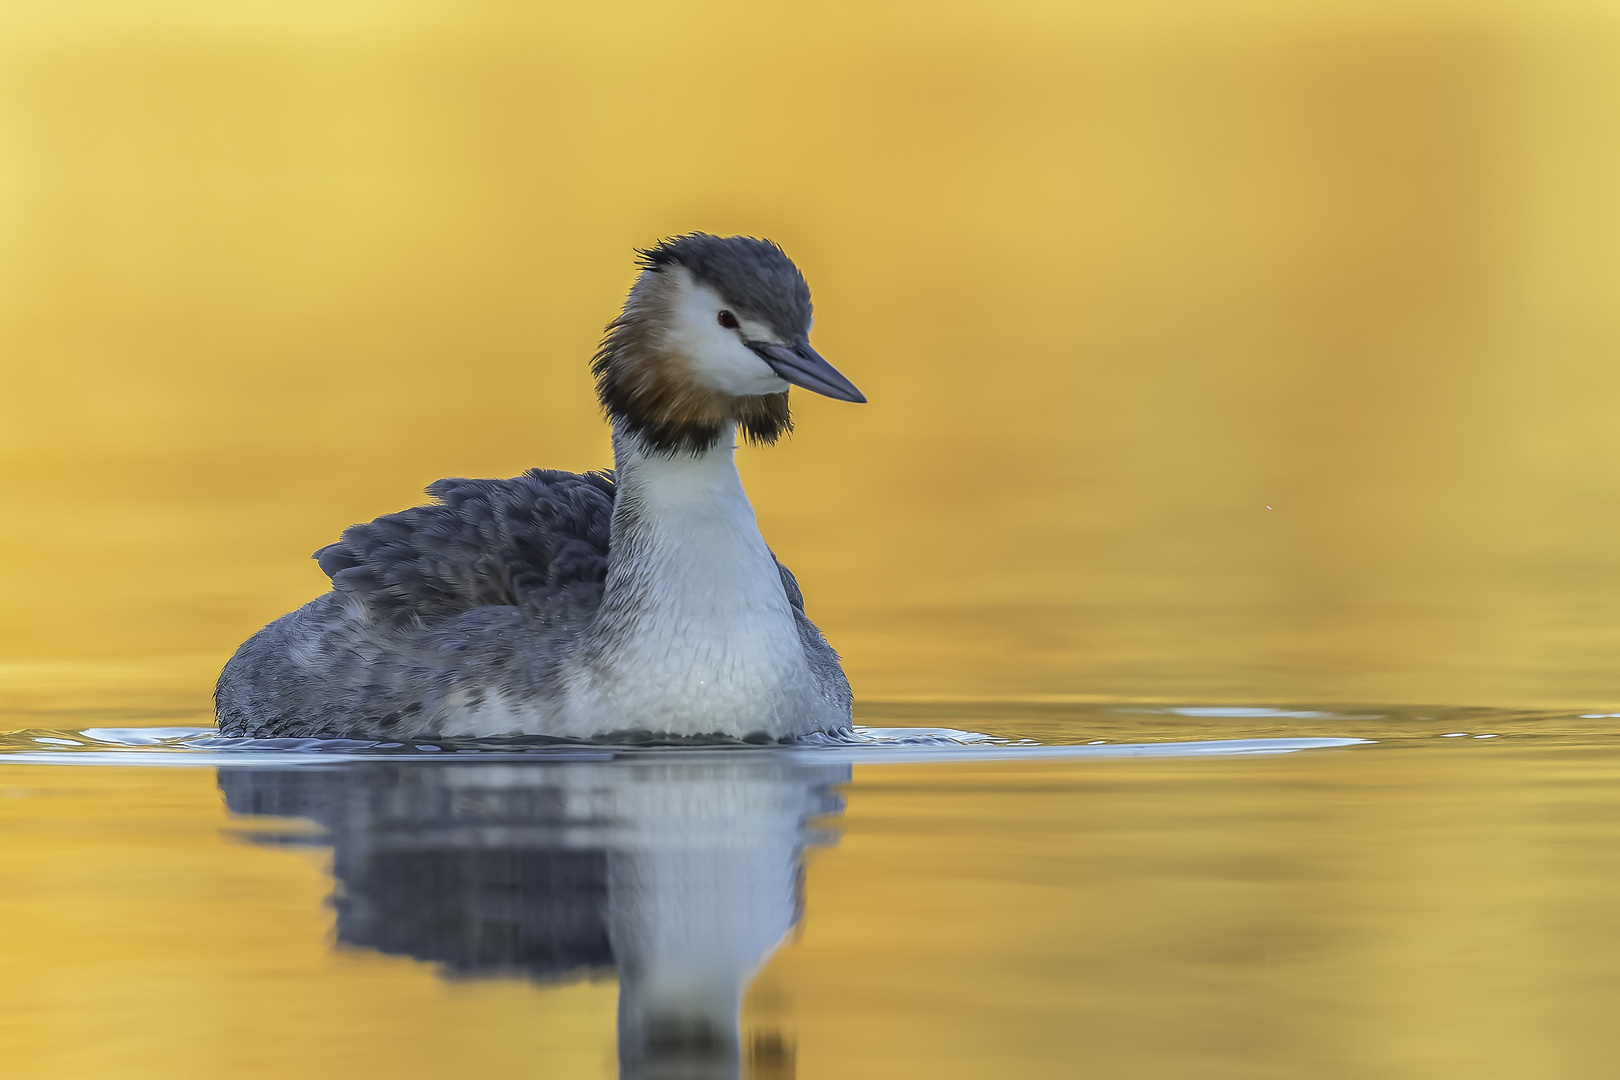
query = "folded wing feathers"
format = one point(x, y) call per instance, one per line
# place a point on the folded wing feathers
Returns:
point(517, 541)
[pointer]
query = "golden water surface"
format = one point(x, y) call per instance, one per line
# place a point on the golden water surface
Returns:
point(1241, 353)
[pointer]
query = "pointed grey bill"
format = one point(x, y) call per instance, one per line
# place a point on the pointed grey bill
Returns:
point(802, 366)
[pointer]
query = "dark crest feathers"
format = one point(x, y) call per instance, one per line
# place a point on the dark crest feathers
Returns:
point(754, 274)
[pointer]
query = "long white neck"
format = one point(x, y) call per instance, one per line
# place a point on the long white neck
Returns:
point(695, 634)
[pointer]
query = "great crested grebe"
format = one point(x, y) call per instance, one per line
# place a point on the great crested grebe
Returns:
point(642, 602)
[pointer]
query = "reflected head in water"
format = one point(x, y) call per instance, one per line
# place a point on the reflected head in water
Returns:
point(561, 604)
point(680, 871)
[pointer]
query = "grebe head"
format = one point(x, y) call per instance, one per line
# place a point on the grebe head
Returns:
point(714, 331)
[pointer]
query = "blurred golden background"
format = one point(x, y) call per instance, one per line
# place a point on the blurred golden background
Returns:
point(1248, 351)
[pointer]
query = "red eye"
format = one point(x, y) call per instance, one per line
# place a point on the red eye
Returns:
point(728, 320)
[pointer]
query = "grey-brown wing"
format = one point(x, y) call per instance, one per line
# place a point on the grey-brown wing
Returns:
point(504, 542)
point(790, 585)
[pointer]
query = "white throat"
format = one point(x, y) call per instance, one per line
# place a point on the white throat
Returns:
point(695, 634)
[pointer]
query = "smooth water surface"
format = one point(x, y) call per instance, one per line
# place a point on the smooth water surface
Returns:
point(1436, 895)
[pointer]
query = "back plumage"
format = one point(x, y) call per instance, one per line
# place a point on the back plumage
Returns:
point(522, 542)
point(437, 609)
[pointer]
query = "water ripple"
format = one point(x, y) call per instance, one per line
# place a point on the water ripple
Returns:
point(204, 747)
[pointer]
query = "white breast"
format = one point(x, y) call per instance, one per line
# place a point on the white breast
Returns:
point(695, 634)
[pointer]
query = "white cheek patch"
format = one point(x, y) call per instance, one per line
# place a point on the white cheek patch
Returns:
point(719, 359)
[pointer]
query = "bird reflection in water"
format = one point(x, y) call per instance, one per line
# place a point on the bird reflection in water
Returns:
point(681, 870)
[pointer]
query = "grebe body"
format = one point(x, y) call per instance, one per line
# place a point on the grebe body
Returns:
point(638, 603)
